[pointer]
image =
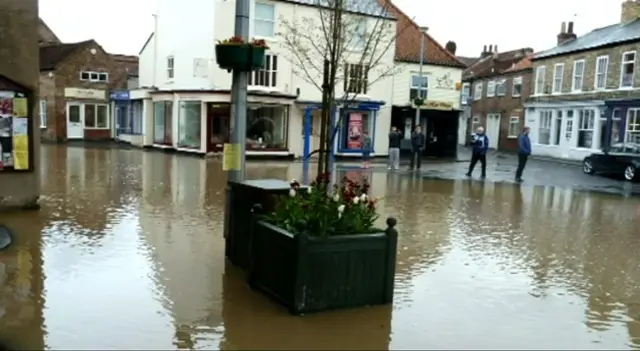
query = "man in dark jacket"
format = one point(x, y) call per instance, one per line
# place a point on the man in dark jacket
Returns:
point(394, 148)
point(524, 150)
point(480, 144)
point(417, 145)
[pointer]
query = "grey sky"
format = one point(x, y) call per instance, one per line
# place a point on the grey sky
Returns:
point(123, 25)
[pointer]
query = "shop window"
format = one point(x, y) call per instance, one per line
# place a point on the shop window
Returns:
point(356, 78)
point(129, 118)
point(354, 124)
point(136, 117)
point(162, 121)
point(267, 75)
point(267, 127)
point(633, 126)
point(96, 116)
point(189, 124)
point(544, 128)
point(586, 121)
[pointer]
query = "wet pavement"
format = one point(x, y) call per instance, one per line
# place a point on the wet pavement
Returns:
point(127, 253)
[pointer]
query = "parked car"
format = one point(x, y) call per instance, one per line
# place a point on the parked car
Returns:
point(620, 159)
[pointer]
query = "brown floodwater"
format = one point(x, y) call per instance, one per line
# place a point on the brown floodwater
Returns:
point(127, 253)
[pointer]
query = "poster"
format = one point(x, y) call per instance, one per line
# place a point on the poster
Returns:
point(231, 157)
point(14, 131)
point(355, 131)
point(21, 152)
point(20, 108)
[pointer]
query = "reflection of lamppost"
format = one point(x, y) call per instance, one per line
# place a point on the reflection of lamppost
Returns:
point(421, 97)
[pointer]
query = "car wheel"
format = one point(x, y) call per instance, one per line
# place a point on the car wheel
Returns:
point(587, 166)
point(630, 172)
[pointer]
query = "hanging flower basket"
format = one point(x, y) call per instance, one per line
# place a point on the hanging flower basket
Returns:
point(418, 102)
point(235, 54)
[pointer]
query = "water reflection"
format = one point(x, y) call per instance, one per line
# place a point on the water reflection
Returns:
point(127, 252)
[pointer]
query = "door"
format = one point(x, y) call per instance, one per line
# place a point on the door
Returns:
point(493, 130)
point(75, 119)
point(220, 132)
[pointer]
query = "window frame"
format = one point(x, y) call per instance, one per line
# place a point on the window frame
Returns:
point(170, 67)
point(466, 87)
point(574, 76)
point(272, 21)
point(95, 112)
point(361, 82)
point(632, 128)
point(475, 123)
point(589, 126)
point(43, 113)
point(545, 116)
point(541, 72)
point(491, 88)
point(270, 73)
point(97, 79)
point(477, 91)
point(557, 78)
point(604, 74)
point(516, 81)
point(501, 84)
point(423, 91)
point(622, 65)
point(513, 134)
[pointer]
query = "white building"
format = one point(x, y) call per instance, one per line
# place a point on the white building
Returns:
point(187, 95)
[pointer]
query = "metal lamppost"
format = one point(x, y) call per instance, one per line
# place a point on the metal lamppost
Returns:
point(423, 33)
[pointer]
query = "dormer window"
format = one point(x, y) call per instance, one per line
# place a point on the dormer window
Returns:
point(94, 77)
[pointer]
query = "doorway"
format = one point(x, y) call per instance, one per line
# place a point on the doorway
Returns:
point(493, 129)
point(441, 133)
point(219, 130)
point(75, 128)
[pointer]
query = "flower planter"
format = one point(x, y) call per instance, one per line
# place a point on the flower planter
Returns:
point(314, 274)
point(240, 57)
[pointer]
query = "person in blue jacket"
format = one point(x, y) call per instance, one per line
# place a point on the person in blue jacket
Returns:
point(480, 143)
point(524, 150)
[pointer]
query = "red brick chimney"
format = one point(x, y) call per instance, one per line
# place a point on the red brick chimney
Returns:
point(566, 33)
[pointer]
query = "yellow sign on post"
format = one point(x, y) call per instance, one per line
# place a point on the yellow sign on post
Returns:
point(231, 158)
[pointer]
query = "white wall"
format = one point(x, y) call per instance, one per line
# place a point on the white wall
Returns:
point(402, 83)
point(145, 66)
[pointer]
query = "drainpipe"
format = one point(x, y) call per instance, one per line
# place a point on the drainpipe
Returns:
point(155, 50)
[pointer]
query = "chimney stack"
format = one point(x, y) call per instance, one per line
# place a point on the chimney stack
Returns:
point(495, 48)
point(566, 34)
point(630, 11)
point(490, 48)
point(451, 47)
point(485, 53)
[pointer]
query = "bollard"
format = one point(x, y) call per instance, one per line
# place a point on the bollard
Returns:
point(392, 251)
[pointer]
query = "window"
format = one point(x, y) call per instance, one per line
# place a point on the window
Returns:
point(491, 88)
point(616, 127)
point(477, 91)
point(569, 129)
point(475, 123)
point(544, 127)
point(136, 117)
point(267, 75)
point(514, 126)
point(354, 125)
point(586, 121)
point(578, 75)
point(540, 73)
point(94, 77)
point(466, 93)
point(419, 87)
point(129, 117)
point(517, 87)
point(96, 116)
point(356, 78)
point(627, 69)
point(633, 126)
point(557, 127)
point(501, 87)
point(558, 73)
point(189, 118)
point(602, 68)
point(264, 20)
point(267, 127)
point(603, 128)
point(43, 113)
point(359, 40)
point(162, 122)
point(170, 70)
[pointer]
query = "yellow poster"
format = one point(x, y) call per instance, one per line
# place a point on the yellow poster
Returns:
point(21, 152)
point(231, 158)
point(20, 108)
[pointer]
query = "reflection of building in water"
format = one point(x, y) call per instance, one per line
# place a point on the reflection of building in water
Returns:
point(185, 234)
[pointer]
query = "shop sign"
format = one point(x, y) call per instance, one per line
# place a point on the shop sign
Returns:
point(437, 105)
point(120, 95)
point(78, 93)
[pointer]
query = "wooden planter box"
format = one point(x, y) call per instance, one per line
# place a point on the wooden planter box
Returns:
point(311, 274)
point(240, 57)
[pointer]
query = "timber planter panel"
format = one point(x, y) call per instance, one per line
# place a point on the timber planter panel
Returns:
point(314, 274)
point(240, 57)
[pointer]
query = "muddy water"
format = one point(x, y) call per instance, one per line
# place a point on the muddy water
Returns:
point(127, 253)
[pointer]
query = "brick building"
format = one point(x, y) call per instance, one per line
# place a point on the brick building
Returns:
point(586, 92)
point(494, 90)
point(75, 84)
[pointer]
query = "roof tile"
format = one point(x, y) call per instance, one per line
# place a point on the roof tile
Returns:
point(52, 55)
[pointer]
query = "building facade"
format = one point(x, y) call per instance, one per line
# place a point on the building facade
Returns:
point(190, 95)
point(586, 91)
point(494, 91)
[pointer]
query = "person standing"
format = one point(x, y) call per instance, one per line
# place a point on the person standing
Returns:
point(480, 144)
point(524, 150)
point(417, 145)
point(367, 146)
point(394, 148)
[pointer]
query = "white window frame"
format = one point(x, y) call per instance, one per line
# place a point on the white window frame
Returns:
point(171, 67)
point(545, 123)
point(354, 83)
point(558, 78)
point(601, 75)
point(586, 123)
point(514, 127)
point(577, 86)
point(477, 91)
point(43, 113)
point(541, 73)
point(95, 111)
point(465, 93)
point(624, 62)
point(516, 81)
point(271, 21)
point(475, 123)
point(491, 88)
point(267, 76)
point(501, 87)
point(632, 126)
point(94, 77)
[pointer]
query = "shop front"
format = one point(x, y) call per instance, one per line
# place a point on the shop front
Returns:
point(87, 114)
point(128, 117)
point(570, 130)
point(623, 120)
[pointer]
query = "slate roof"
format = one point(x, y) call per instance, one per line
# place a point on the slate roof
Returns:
point(468, 61)
point(47, 36)
point(52, 55)
point(521, 65)
point(497, 63)
point(408, 37)
point(618, 33)
point(365, 7)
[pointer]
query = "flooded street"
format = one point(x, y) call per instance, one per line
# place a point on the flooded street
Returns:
point(127, 252)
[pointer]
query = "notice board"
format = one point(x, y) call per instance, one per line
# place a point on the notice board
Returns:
point(16, 125)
